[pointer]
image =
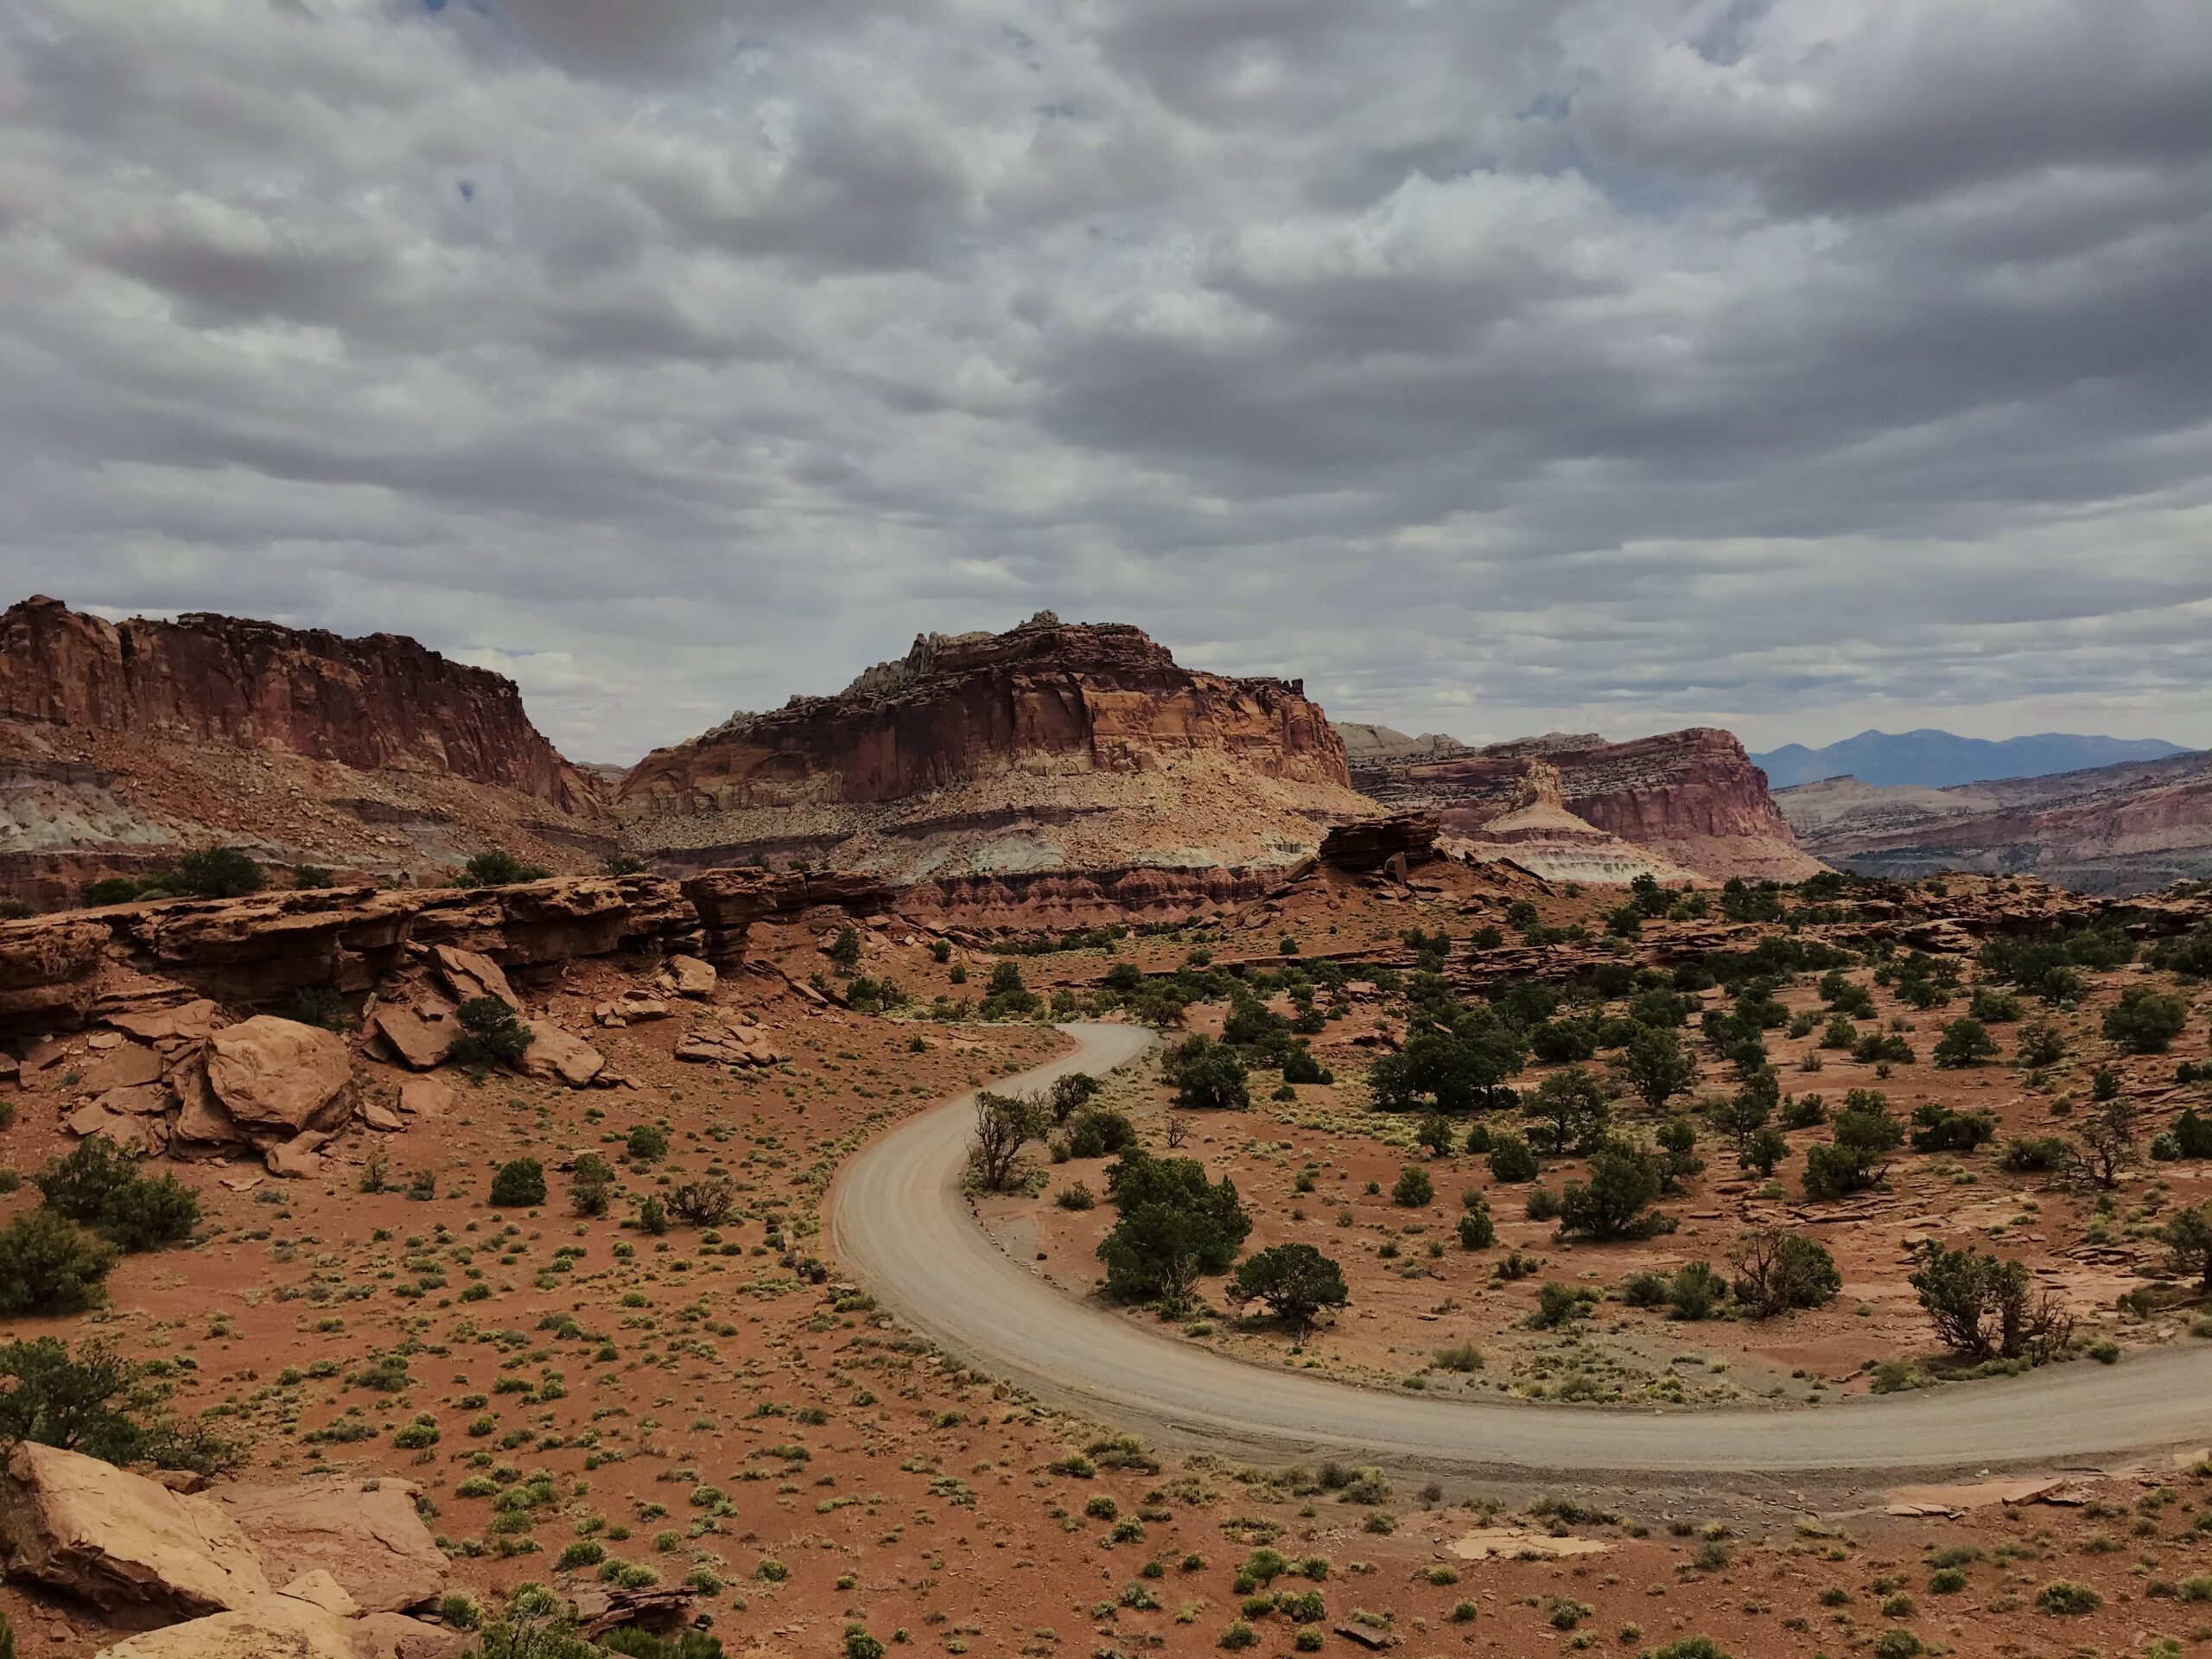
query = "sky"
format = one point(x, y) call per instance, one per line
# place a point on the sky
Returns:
point(1794, 366)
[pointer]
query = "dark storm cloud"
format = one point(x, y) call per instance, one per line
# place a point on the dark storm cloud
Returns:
point(1795, 365)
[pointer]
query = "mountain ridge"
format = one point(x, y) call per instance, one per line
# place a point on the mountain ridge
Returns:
point(1928, 757)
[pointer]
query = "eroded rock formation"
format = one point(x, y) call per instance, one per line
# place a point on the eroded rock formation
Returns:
point(2126, 829)
point(1049, 747)
point(382, 701)
point(1692, 797)
point(1541, 834)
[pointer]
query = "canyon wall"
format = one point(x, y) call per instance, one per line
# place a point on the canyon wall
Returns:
point(374, 703)
point(1050, 746)
point(1104, 698)
point(2127, 829)
point(1691, 797)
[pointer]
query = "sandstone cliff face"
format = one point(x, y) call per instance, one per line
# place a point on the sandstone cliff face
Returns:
point(1045, 695)
point(2126, 829)
point(1049, 747)
point(1692, 797)
point(375, 703)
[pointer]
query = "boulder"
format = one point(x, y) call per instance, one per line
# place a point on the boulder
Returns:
point(470, 973)
point(715, 1043)
point(378, 1116)
point(277, 1078)
point(692, 977)
point(126, 1545)
point(299, 1158)
point(366, 1533)
point(554, 1053)
point(416, 1037)
point(201, 1129)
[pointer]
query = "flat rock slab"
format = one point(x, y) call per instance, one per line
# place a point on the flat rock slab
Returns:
point(416, 1039)
point(425, 1099)
point(146, 1135)
point(192, 1021)
point(125, 1067)
point(1518, 1543)
point(124, 1544)
point(1979, 1494)
point(139, 1100)
point(273, 1627)
point(470, 973)
point(364, 1533)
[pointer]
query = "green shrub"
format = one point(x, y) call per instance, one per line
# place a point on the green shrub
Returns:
point(1413, 1190)
point(490, 1035)
point(1294, 1282)
point(1964, 1043)
point(1936, 1127)
point(109, 890)
point(1776, 1271)
point(1477, 1232)
point(591, 1184)
point(647, 1142)
point(1558, 1304)
point(2146, 1021)
point(707, 1202)
point(1206, 1076)
point(1695, 1291)
point(213, 873)
point(50, 1265)
point(2065, 1596)
point(101, 1404)
point(98, 1184)
point(2042, 1043)
point(2035, 1154)
point(1613, 1204)
point(519, 1184)
point(1100, 1132)
point(1510, 1160)
point(319, 1004)
point(495, 867)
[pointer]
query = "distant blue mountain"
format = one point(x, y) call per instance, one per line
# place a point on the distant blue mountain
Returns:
point(1938, 759)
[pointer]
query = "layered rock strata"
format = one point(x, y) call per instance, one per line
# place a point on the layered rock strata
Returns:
point(1692, 797)
point(1049, 747)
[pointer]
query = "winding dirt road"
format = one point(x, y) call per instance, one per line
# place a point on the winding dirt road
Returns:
point(899, 1223)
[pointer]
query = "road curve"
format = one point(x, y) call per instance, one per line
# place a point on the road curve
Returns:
point(899, 1224)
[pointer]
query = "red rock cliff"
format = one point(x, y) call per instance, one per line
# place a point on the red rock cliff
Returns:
point(382, 701)
point(1693, 796)
point(1046, 694)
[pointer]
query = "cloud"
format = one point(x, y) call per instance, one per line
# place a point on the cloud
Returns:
point(1796, 365)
